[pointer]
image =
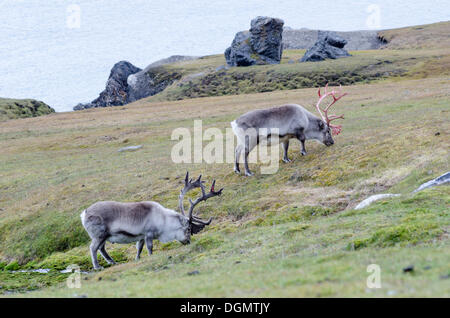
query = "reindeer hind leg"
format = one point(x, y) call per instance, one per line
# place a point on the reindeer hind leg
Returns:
point(105, 255)
point(95, 245)
point(237, 156)
point(250, 143)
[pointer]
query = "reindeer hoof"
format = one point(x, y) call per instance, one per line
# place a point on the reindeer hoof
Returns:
point(287, 160)
point(249, 174)
point(303, 153)
point(98, 268)
point(237, 171)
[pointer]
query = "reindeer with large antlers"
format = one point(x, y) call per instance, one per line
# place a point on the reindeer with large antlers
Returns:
point(143, 222)
point(290, 121)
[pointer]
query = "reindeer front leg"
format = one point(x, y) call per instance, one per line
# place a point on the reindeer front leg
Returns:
point(301, 137)
point(139, 246)
point(286, 148)
point(303, 147)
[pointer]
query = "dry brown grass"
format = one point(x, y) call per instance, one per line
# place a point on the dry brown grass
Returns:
point(427, 36)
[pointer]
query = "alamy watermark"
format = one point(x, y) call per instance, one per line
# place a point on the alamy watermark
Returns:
point(74, 280)
point(215, 146)
point(374, 279)
point(73, 19)
point(373, 21)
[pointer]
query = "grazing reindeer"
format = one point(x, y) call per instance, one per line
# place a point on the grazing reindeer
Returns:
point(143, 222)
point(291, 121)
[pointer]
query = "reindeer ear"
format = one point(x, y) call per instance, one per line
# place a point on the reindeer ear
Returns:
point(195, 228)
point(321, 125)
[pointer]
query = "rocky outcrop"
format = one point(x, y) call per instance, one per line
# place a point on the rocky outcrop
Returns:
point(328, 46)
point(22, 108)
point(128, 83)
point(262, 44)
point(116, 90)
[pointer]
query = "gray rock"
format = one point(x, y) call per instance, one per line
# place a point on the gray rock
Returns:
point(262, 44)
point(127, 83)
point(266, 38)
point(116, 92)
point(445, 178)
point(196, 272)
point(328, 46)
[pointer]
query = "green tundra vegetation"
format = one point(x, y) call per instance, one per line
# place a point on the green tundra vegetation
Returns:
point(22, 108)
point(294, 233)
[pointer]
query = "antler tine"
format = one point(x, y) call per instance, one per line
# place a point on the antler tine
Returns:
point(205, 196)
point(198, 220)
point(189, 185)
point(336, 129)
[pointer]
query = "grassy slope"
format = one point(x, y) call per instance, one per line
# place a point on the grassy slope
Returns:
point(201, 80)
point(289, 234)
point(22, 108)
point(264, 222)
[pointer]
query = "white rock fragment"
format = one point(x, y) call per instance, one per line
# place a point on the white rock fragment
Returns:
point(130, 148)
point(374, 198)
point(445, 178)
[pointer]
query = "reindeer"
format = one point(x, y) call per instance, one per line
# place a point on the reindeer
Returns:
point(143, 222)
point(290, 121)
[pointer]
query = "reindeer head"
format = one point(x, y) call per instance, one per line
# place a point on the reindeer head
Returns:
point(327, 129)
point(194, 224)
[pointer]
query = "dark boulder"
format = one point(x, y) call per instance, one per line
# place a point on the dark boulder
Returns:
point(128, 83)
point(328, 46)
point(116, 90)
point(261, 45)
point(266, 38)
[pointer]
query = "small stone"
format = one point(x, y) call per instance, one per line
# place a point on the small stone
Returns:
point(193, 273)
point(408, 269)
point(130, 148)
point(444, 276)
point(437, 133)
point(237, 262)
point(427, 267)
